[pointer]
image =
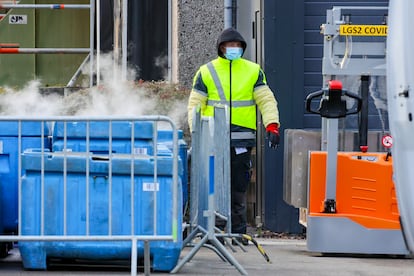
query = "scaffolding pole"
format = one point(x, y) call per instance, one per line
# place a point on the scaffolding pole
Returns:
point(17, 50)
point(44, 6)
point(11, 49)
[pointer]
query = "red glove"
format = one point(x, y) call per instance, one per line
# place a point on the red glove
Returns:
point(273, 136)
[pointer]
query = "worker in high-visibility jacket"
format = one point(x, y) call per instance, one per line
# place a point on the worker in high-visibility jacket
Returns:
point(241, 84)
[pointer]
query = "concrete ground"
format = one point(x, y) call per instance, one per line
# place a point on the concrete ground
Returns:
point(287, 257)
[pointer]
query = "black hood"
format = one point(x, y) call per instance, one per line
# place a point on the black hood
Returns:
point(227, 35)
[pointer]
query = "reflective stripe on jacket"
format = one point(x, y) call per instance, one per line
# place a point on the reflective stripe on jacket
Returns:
point(243, 75)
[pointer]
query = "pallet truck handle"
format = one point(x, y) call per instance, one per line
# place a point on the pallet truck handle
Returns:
point(309, 99)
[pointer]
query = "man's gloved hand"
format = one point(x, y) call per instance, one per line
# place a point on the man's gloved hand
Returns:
point(272, 131)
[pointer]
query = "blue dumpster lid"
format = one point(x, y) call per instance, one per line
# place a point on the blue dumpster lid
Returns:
point(100, 130)
point(76, 163)
point(27, 128)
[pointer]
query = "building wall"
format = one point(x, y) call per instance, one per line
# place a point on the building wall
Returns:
point(292, 62)
point(197, 26)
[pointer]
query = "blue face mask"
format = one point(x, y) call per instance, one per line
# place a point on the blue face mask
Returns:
point(233, 53)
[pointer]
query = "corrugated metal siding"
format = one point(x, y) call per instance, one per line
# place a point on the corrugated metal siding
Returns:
point(293, 66)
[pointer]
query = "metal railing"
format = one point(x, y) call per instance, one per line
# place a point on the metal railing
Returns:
point(210, 137)
point(210, 191)
point(130, 169)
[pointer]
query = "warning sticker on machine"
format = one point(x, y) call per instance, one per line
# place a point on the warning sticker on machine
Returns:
point(363, 30)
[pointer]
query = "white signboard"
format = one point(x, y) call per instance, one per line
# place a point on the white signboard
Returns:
point(18, 19)
point(150, 187)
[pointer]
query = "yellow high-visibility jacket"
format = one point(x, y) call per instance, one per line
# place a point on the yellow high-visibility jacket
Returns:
point(241, 80)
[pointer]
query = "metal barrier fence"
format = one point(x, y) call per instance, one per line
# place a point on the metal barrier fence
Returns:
point(107, 165)
point(210, 192)
point(210, 137)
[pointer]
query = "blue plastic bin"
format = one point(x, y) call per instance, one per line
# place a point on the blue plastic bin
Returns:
point(76, 134)
point(164, 254)
point(121, 141)
point(165, 137)
point(100, 130)
point(31, 133)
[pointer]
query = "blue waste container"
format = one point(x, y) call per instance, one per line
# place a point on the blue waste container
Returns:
point(77, 132)
point(31, 137)
point(164, 254)
point(165, 137)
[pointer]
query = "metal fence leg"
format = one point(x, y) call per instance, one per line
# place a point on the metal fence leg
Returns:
point(228, 256)
point(191, 236)
point(134, 257)
point(211, 179)
point(190, 255)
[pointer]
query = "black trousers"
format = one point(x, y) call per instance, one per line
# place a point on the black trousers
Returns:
point(241, 171)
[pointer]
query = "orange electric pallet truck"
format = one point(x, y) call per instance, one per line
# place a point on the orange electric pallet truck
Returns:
point(352, 204)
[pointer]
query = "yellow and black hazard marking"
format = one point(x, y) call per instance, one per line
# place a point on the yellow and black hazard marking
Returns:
point(258, 246)
point(363, 30)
